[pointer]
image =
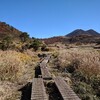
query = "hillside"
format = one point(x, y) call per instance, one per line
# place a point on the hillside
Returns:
point(12, 38)
point(55, 39)
point(76, 36)
point(7, 30)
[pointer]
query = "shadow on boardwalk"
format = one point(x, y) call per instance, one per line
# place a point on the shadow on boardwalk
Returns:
point(37, 71)
point(26, 91)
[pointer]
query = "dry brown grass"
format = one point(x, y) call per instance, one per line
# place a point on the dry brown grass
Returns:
point(82, 67)
point(16, 69)
point(88, 60)
point(8, 91)
point(12, 65)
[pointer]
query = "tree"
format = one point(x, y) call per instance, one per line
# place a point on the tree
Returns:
point(24, 37)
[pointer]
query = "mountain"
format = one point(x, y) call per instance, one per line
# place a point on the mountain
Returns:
point(81, 32)
point(77, 36)
point(7, 30)
point(92, 32)
point(81, 36)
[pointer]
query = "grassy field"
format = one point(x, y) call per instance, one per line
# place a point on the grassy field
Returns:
point(82, 66)
point(79, 66)
point(16, 70)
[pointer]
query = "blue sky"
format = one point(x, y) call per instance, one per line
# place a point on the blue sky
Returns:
point(47, 18)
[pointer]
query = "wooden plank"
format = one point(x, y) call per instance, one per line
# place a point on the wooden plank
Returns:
point(45, 73)
point(66, 92)
point(38, 90)
point(44, 70)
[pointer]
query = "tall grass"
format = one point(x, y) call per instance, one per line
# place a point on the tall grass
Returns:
point(16, 69)
point(86, 61)
point(12, 65)
point(84, 68)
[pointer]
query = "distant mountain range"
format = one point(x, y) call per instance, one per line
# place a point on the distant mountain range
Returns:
point(80, 32)
point(77, 36)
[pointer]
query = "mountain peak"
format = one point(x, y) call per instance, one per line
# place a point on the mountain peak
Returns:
point(79, 32)
point(93, 32)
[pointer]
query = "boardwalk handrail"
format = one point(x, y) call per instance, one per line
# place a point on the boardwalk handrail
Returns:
point(38, 90)
point(66, 92)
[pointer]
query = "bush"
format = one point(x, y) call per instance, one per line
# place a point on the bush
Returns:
point(35, 44)
point(7, 43)
point(44, 48)
point(24, 36)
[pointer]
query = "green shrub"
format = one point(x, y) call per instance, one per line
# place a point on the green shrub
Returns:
point(35, 44)
point(24, 37)
point(7, 43)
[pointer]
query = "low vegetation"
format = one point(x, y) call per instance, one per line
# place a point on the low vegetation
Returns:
point(83, 67)
point(16, 69)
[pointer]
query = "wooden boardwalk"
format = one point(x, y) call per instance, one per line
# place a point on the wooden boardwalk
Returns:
point(66, 92)
point(45, 73)
point(38, 90)
point(44, 70)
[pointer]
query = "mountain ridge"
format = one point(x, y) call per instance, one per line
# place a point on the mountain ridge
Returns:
point(76, 36)
point(78, 32)
point(8, 30)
